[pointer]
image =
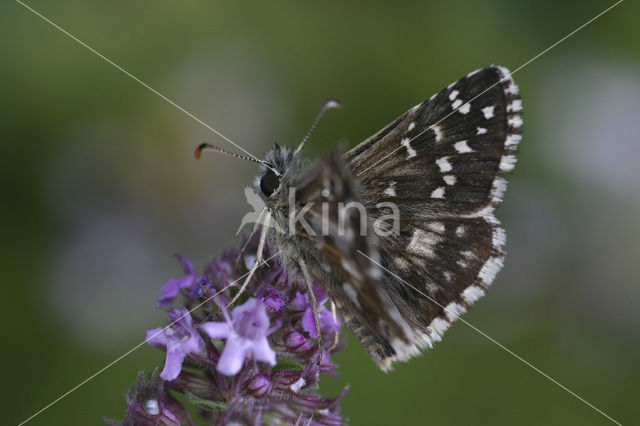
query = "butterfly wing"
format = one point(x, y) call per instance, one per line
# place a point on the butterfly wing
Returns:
point(440, 163)
point(345, 256)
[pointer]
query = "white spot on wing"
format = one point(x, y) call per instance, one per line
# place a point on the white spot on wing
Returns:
point(488, 112)
point(497, 189)
point(490, 269)
point(507, 163)
point(351, 293)
point(481, 131)
point(462, 147)
point(509, 85)
point(443, 163)
point(453, 95)
point(423, 243)
point(391, 189)
point(511, 89)
point(460, 231)
point(437, 328)
point(464, 109)
point(513, 140)
point(438, 192)
point(499, 237)
point(468, 254)
point(472, 294)
point(438, 132)
point(410, 151)
point(449, 179)
point(412, 125)
point(436, 227)
point(515, 122)
point(515, 106)
point(402, 263)
point(423, 340)
point(453, 311)
point(456, 103)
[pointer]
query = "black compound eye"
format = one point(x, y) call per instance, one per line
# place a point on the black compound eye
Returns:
point(269, 183)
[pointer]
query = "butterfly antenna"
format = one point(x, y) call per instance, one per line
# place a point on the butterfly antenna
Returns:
point(209, 147)
point(329, 104)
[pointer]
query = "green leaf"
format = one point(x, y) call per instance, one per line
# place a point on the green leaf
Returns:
point(206, 403)
point(287, 364)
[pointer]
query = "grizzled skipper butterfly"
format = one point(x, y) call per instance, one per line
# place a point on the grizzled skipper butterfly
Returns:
point(413, 203)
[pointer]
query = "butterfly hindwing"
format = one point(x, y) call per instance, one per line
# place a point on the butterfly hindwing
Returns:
point(347, 258)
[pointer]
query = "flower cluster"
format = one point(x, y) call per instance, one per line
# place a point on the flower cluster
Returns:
point(257, 364)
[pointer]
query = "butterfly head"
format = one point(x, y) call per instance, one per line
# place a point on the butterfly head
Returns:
point(280, 164)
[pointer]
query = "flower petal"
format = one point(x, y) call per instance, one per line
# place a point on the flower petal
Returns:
point(324, 317)
point(262, 351)
point(156, 337)
point(169, 291)
point(233, 355)
point(327, 321)
point(173, 364)
point(273, 299)
point(195, 343)
point(298, 303)
point(187, 266)
point(216, 330)
point(309, 323)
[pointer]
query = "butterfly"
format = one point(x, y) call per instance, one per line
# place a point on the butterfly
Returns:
point(400, 230)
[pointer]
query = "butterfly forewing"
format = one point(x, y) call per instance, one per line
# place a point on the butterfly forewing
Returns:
point(440, 164)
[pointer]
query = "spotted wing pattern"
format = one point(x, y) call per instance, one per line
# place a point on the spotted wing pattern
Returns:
point(441, 163)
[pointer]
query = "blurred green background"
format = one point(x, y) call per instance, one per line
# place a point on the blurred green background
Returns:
point(100, 188)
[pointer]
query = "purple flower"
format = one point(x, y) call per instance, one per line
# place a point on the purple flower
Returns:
point(172, 288)
point(325, 317)
point(273, 299)
point(246, 331)
point(238, 383)
point(180, 339)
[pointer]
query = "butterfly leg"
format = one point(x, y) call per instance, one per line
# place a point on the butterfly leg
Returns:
point(258, 261)
point(314, 302)
point(336, 334)
point(253, 232)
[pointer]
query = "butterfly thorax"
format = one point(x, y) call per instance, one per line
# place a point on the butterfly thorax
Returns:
point(272, 184)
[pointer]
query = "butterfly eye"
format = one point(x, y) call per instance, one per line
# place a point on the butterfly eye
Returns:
point(269, 183)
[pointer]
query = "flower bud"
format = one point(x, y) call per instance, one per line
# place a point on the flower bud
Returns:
point(296, 342)
point(259, 386)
